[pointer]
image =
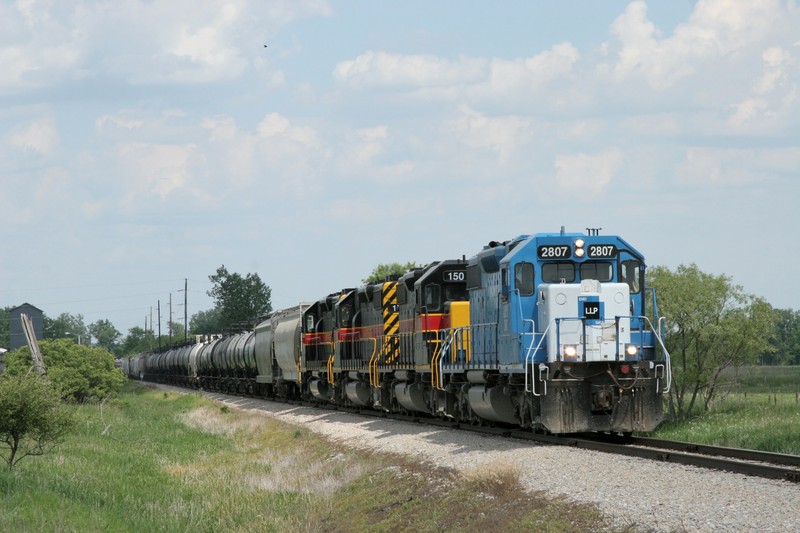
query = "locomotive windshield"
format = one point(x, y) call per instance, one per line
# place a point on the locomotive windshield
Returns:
point(564, 272)
point(455, 292)
point(598, 271)
point(558, 272)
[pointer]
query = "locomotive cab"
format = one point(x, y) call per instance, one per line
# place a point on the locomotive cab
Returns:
point(568, 310)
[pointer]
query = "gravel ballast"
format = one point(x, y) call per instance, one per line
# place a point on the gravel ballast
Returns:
point(655, 496)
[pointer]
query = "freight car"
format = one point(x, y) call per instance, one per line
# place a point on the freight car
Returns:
point(548, 331)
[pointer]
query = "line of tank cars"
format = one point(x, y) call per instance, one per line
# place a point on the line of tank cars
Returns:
point(544, 331)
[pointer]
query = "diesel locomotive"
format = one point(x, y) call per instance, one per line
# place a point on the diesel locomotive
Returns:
point(555, 332)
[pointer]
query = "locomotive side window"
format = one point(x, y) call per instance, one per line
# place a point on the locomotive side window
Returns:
point(555, 272)
point(345, 315)
point(402, 297)
point(433, 295)
point(598, 271)
point(377, 298)
point(523, 278)
point(629, 272)
point(455, 292)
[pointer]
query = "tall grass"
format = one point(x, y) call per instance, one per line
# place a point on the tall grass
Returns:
point(760, 410)
point(155, 461)
point(768, 422)
point(766, 379)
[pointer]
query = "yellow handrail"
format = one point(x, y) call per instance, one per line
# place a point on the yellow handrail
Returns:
point(437, 352)
point(330, 369)
point(374, 378)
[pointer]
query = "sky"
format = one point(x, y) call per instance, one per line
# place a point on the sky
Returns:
point(145, 143)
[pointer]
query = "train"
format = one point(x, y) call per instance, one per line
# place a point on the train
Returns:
point(552, 332)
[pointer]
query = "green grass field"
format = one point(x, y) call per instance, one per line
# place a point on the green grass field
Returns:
point(156, 461)
point(761, 412)
point(764, 379)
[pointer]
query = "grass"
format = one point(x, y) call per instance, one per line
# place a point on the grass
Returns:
point(767, 422)
point(155, 461)
point(766, 379)
point(762, 412)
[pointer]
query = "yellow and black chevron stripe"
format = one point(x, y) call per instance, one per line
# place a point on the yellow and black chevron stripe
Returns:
point(391, 321)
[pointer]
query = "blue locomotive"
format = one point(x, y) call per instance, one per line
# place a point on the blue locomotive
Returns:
point(548, 331)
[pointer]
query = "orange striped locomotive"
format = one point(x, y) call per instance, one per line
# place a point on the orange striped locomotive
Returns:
point(545, 331)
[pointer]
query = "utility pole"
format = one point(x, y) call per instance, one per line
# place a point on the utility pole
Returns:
point(169, 323)
point(159, 324)
point(185, 308)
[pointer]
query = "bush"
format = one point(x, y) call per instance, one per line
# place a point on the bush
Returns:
point(80, 372)
point(32, 419)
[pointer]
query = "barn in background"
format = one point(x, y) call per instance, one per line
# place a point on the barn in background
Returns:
point(16, 332)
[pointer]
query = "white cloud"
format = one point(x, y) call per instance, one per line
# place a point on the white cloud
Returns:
point(726, 166)
point(773, 93)
point(717, 30)
point(180, 41)
point(381, 69)
point(41, 137)
point(275, 125)
point(124, 120)
point(156, 169)
point(591, 173)
point(528, 73)
point(776, 63)
point(748, 111)
point(502, 135)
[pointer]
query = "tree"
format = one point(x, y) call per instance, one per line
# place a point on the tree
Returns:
point(66, 325)
point(206, 322)
point(240, 300)
point(32, 419)
point(81, 372)
point(176, 331)
point(106, 334)
point(5, 325)
point(786, 340)
point(385, 271)
point(138, 340)
point(711, 325)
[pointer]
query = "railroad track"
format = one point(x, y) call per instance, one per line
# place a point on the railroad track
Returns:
point(742, 461)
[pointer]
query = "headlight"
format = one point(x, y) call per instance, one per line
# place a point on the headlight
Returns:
point(579, 243)
point(579, 252)
point(569, 351)
point(631, 350)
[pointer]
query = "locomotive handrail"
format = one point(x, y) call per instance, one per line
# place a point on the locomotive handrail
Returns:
point(374, 380)
point(437, 352)
point(531, 354)
point(667, 359)
point(447, 344)
point(330, 368)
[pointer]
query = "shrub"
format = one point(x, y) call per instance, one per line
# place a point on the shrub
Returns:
point(80, 372)
point(32, 419)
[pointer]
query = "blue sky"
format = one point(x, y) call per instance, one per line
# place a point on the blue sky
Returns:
point(143, 143)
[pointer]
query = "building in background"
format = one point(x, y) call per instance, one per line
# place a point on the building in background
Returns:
point(16, 332)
